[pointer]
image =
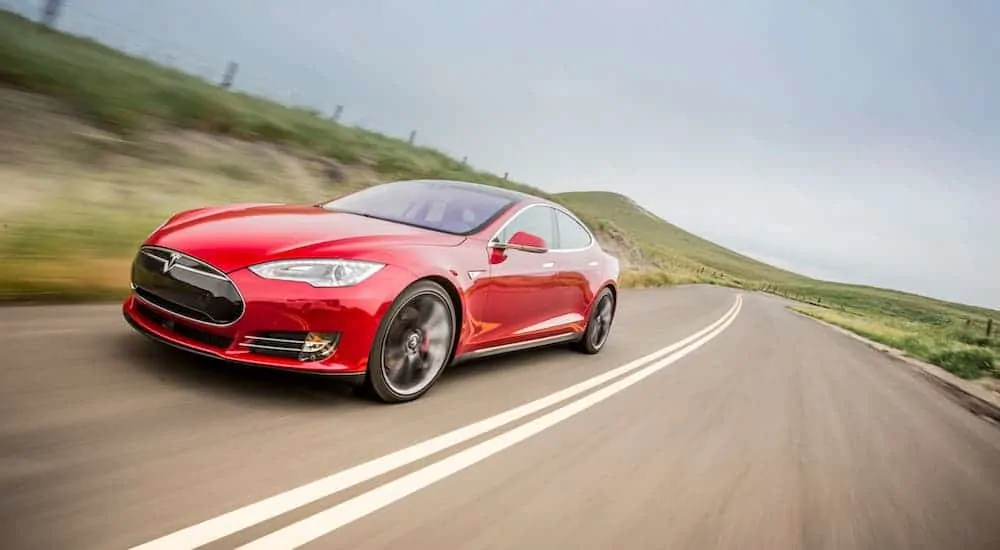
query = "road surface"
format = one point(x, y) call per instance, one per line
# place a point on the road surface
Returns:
point(770, 432)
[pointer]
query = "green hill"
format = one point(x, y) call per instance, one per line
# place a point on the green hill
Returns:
point(659, 238)
point(951, 335)
point(98, 147)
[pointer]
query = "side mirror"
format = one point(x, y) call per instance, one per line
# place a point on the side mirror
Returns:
point(527, 242)
point(522, 240)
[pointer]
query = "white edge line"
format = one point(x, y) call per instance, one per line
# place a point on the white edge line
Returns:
point(329, 520)
point(236, 520)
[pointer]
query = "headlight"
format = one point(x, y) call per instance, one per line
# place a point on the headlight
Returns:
point(318, 273)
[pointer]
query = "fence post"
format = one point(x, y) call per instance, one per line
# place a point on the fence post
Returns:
point(413, 136)
point(50, 12)
point(227, 79)
point(989, 327)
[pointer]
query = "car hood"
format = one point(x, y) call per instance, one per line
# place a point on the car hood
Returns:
point(232, 238)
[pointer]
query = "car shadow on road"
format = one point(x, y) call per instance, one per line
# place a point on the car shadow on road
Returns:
point(204, 375)
point(512, 362)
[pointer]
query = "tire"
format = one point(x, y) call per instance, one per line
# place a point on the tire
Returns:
point(413, 344)
point(598, 330)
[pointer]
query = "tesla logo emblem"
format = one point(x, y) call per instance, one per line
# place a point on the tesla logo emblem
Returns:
point(171, 262)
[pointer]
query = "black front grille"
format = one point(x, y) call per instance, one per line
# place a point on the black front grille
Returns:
point(207, 338)
point(189, 288)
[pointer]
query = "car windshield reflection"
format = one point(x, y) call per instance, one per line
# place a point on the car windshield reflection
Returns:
point(448, 207)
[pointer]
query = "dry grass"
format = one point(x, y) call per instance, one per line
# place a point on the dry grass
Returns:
point(74, 191)
point(57, 280)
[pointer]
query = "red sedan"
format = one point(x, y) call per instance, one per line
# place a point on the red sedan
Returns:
point(385, 287)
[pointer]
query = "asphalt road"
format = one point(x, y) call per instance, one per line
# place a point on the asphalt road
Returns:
point(773, 432)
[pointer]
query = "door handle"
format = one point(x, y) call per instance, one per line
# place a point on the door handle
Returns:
point(547, 265)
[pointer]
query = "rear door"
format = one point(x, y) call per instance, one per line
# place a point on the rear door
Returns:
point(578, 267)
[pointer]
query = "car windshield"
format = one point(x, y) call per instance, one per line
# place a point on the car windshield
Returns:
point(441, 206)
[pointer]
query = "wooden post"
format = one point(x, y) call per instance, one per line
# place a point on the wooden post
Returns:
point(50, 12)
point(989, 327)
point(413, 136)
point(227, 78)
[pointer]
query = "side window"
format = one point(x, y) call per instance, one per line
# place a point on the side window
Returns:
point(536, 220)
point(571, 234)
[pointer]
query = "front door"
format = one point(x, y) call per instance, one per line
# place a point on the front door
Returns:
point(523, 295)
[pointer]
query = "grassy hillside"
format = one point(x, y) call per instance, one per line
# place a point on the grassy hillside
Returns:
point(129, 97)
point(97, 148)
point(660, 239)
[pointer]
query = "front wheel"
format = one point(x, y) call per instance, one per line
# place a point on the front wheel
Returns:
point(413, 344)
point(599, 324)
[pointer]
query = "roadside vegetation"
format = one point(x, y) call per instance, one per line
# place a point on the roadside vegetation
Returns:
point(98, 147)
point(959, 346)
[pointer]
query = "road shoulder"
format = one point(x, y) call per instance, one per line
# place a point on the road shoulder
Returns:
point(968, 393)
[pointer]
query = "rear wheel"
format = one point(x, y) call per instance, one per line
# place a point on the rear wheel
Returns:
point(599, 324)
point(413, 344)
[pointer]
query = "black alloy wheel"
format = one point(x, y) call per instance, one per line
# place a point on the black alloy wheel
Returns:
point(413, 344)
point(599, 324)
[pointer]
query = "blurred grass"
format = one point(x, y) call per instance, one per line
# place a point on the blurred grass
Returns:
point(953, 346)
point(129, 96)
point(164, 141)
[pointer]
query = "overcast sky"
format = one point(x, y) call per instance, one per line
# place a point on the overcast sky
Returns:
point(856, 141)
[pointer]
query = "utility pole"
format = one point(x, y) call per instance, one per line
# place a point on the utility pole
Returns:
point(50, 12)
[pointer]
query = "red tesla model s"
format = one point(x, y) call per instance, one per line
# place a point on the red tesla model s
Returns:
point(385, 287)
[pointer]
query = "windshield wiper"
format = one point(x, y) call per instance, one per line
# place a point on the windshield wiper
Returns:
point(362, 214)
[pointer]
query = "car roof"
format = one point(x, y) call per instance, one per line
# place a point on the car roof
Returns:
point(510, 194)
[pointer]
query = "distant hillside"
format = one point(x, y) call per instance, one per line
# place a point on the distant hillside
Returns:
point(663, 240)
point(657, 236)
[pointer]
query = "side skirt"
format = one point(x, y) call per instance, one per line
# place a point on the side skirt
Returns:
point(519, 346)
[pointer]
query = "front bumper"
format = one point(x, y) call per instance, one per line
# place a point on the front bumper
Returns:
point(280, 307)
